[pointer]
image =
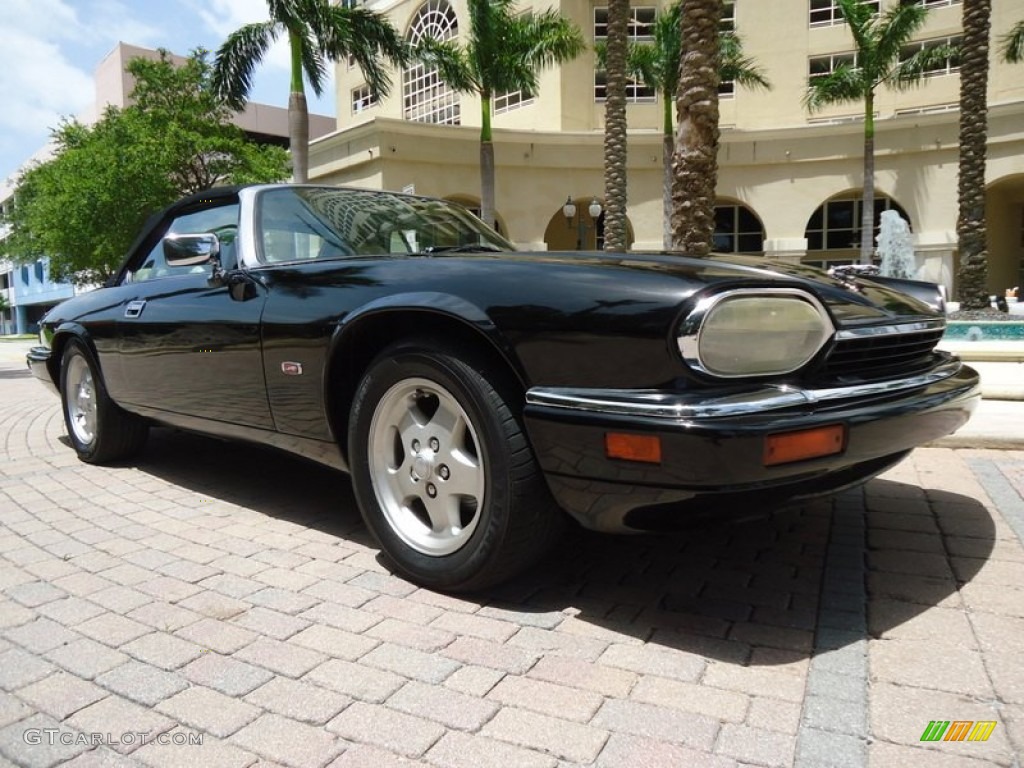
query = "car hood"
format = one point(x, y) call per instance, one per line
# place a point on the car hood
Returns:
point(852, 302)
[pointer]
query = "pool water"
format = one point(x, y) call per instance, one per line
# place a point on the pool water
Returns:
point(981, 330)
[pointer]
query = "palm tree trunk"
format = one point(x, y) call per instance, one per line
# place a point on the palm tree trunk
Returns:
point(695, 159)
point(867, 209)
point(666, 181)
point(298, 136)
point(970, 224)
point(666, 192)
point(615, 129)
point(486, 162)
point(298, 114)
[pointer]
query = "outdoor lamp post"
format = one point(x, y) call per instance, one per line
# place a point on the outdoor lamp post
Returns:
point(569, 211)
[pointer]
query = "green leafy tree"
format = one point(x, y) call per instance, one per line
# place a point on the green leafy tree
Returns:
point(1012, 44)
point(695, 150)
point(615, 128)
point(84, 207)
point(505, 51)
point(880, 43)
point(318, 32)
point(970, 223)
point(656, 65)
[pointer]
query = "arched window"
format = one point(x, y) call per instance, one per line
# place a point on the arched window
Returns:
point(737, 230)
point(835, 226)
point(427, 98)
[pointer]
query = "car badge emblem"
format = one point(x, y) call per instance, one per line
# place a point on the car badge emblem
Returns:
point(291, 369)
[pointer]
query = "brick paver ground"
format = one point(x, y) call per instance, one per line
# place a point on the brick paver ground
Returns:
point(228, 593)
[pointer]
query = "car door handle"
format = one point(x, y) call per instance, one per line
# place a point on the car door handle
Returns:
point(134, 308)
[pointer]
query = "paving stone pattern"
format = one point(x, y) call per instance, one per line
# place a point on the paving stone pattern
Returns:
point(229, 593)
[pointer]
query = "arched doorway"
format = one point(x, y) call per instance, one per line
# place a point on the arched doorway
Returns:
point(581, 230)
point(833, 231)
point(738, 229)
point(1004, 217)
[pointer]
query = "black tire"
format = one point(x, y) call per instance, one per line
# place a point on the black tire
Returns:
point(99, 430)
point(506, 519)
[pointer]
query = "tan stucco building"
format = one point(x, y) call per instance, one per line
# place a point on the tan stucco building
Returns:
point(789, 181)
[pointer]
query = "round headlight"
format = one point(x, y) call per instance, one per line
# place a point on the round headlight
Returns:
point(763, 333)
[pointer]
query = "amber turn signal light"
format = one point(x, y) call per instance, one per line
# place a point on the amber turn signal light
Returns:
point(621, 445)
point(787, 447)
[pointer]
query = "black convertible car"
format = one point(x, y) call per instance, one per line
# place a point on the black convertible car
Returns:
point(472, 390)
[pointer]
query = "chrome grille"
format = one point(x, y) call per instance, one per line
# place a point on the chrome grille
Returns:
point(881, 352)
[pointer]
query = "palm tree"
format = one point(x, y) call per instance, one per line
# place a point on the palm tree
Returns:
point(504, 52)
point(880, 41)
point(656, 65)
point(616, 47)
point(1012, 43)
point(970, 223)
point(695, 153)
point(318, 33)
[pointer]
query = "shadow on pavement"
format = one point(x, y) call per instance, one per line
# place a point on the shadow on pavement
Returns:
point(719, 590)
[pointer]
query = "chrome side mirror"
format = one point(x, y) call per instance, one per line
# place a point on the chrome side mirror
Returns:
point(191, 250)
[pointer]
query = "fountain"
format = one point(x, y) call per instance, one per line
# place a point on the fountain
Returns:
point(895, 246)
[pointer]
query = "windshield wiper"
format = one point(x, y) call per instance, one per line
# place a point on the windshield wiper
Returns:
point(467, 248)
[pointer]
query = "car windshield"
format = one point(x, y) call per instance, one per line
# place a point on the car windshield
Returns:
point(299, 223)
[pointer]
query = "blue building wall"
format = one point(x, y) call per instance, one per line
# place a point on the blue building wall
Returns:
point(34, 293)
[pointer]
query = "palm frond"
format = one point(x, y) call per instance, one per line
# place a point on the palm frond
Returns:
point(549, 37)
point(238, 57)
point(369, 38)
point(862, 21)
point(911, 71)
point(451, 62)
point(313, 64)
point(743, 70)
point(1012, 44)
point(899, 25)
point(844, 84)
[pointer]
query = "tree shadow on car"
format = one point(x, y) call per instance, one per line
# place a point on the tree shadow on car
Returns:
point(766, 591)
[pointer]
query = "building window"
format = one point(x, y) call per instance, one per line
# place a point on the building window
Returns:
point(728, 23)
point(362, 98)
point(506, 102)
point(640, 30)
point(947, 65)
point(640, 27)
point(636, 91)
point(820, 66)
point(835, 225)
point(827, 12)
point(737, 230)
point(931, 3)
point(427, 98)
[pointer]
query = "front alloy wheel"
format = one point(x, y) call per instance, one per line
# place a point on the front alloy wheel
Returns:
point(427, 470)
point(444, 476)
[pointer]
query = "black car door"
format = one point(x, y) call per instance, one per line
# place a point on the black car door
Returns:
point(190, 344)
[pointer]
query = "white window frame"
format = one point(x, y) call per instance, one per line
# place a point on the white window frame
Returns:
point(833, 59)
point(509, 101)
point(952, 62)
point(638, 30)
point(829, 8)
point(426, 98)
point(363, 98)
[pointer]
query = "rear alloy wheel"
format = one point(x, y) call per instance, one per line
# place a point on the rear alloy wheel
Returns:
point(99, 430)
point(445, 478)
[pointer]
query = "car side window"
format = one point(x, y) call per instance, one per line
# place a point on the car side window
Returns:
point(221, 220)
